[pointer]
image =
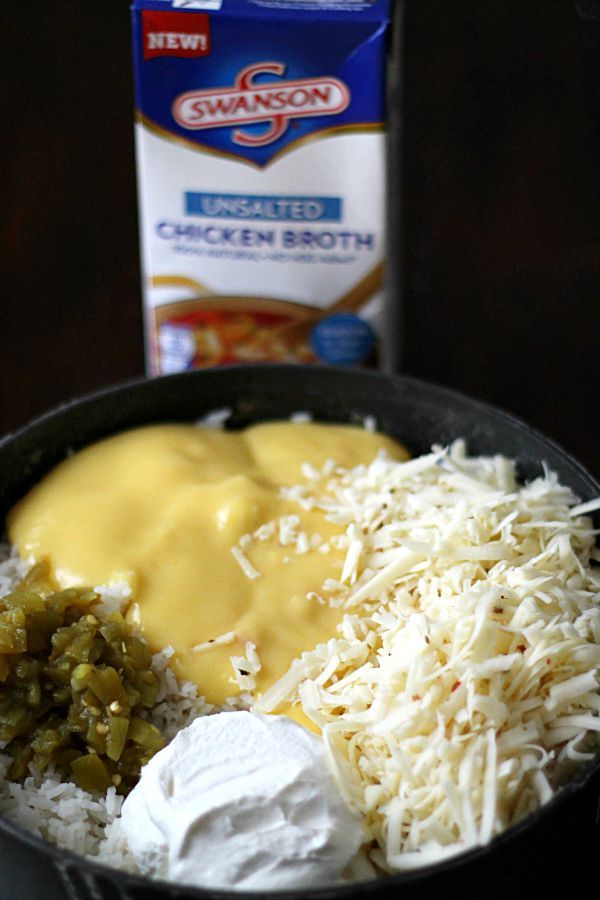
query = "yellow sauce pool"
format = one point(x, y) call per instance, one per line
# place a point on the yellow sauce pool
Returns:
point(162, 506)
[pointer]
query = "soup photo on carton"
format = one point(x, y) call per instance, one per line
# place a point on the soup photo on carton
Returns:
point(260, 133)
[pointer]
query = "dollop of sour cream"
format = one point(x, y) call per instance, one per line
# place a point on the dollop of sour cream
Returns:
point(241, 800)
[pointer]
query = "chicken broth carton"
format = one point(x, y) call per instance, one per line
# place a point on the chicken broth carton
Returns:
point(260, 134)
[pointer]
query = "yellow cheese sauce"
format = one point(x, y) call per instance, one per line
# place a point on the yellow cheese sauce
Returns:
point(162, 506)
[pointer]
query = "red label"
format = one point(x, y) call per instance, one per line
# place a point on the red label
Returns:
point(175, 34)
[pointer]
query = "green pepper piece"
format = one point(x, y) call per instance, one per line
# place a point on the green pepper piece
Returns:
point(107, 686)
point(145, 734)
point(80, 676)
point(118, 727)
point(91, 774)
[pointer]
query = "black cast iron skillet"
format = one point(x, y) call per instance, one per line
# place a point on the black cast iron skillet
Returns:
point(531, 859)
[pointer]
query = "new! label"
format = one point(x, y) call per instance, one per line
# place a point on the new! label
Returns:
point(175, 34)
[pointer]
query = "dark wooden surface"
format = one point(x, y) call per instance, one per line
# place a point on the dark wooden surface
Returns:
point(502, 209)
point(502, 220)
point(71, 313)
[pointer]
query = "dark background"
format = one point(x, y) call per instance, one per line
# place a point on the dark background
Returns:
point(500, 203)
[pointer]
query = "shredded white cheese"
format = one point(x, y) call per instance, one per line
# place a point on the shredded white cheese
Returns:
point(221, 641)
point(462, 688)
point(244, 563)
point(216, 418)
point(246, 667)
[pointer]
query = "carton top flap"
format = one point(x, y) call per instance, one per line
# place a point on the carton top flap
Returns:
point(365, 10)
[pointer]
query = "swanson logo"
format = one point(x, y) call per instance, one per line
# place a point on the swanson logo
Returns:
point(272, 102)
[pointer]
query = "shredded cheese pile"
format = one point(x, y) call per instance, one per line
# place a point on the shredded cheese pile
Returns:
point(463, 686)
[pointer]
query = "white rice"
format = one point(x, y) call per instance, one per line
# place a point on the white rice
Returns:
point(63, 813)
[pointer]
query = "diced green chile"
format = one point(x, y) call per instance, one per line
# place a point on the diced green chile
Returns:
point(74, 690)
